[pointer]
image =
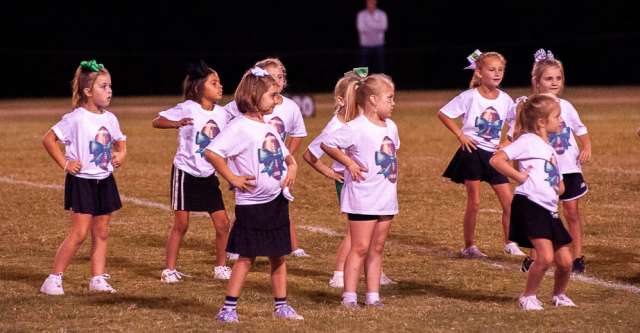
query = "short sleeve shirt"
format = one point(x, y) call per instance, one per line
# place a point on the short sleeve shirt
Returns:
point(483, 118)
point(194, 139)
point(374, 148)
point(88, 137)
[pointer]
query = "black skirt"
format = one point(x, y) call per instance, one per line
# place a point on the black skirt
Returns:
point(574, 186)
point(195, 194)
point(91, 196)
point(473, 165)
point(530, 220)
point(261, 230)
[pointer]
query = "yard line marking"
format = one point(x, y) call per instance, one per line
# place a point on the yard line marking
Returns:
point(330, 232)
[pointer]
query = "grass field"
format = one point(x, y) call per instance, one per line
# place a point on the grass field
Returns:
point(437, 291)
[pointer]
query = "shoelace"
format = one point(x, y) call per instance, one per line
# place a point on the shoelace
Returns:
point(179, 275)
point(529, 301)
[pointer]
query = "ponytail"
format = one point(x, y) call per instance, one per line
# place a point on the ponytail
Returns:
point(350, 108)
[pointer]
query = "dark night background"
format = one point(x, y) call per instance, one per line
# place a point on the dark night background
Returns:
point(146, 45)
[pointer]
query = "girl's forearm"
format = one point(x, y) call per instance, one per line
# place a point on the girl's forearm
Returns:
point(52, 148)
point(450, 124)
point(219, 164)
point(162, 122)
point(337, 154)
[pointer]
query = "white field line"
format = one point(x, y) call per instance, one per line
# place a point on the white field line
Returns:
point(329, 232)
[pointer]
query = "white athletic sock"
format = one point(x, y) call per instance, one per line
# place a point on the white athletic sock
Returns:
point(338, 274)
point(372, 298)
point(348, 297)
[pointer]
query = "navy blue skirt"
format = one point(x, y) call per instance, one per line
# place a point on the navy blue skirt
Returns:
point(261, 230)
point(91, 196)
point(530, 220)
point(473, 165)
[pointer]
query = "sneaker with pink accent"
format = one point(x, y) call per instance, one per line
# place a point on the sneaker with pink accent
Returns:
point(562, 300)
point(472, 252)
point(52, 285)
point(99, 283)
point(513, 249)
point(530, 303)
point(222, 272)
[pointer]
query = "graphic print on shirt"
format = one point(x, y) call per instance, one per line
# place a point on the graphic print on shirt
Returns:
point(100, 148)
point(553, 175)
point(278, 124)
point(271, 156)
point(204, 137)
point(387, 161)
point(489, 124)
point(560, 140)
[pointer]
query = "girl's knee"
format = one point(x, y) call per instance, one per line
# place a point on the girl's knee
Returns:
point(360, 249)
point(180, 227)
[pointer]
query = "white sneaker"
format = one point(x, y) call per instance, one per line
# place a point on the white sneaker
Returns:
point(385, 280)
point(52, 285)
point(99, 283)
point(222, 272)
point(562, 300)
point(300, 253)
point(513, 249)
point(472, 252)
point(337, 280)
point(232, 256)
point(530, 303)
point(172, 276)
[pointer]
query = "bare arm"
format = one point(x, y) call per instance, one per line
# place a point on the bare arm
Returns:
point(292, 171)
point(293, 143)
point(241, 182)
point(49, 141)
point(500, 162)
point(585, 143)
point(353, 167)
point(119, 153)
point(466, 142)
point(162, 122)
point(321, 167)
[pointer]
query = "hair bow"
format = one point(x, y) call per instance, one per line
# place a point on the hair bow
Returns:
point(553, 174)
point(91, 65)
point(542, 55)
point(388, 163)
point(362, 72)
point(259, 72)
point(273, 162)
point(472, 59)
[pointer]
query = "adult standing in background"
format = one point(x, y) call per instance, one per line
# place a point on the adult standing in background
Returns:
point(372, 24)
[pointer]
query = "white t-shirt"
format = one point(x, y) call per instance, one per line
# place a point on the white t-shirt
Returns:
point(193, 139)
point(564, 142)
point(88, 137)
point(314, 147)
point(483, 118)
point(253, 149)
point(536, 155)
point(286, 118)
point(375, 148)
point(371, 27)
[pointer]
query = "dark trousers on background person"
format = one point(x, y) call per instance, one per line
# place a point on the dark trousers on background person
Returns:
point(372, 57)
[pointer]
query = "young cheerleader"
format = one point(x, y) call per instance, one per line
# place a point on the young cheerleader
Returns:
point(258, 156)
point(534, 211)
point(346, 110)
point(547, 76)
point(194, 185)
point(94, 145)
point(287, 119)
point(485, 110)
point(369, 195)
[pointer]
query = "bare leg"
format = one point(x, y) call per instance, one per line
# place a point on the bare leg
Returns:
point(99, 236)
point(180, 226)
point(343, 250)
point(544, 258)
point(572, 215)
point(471, 211)
point(361, 234)
point(374, 256)
point(292, 231)
point(564, 263)
point(221, 224)
point(504, 194)
point(239, 272)
point(80, 225)
point(278, 276)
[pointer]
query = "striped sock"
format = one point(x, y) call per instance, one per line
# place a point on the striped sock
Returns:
point(230, 303)
point(279, 302)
